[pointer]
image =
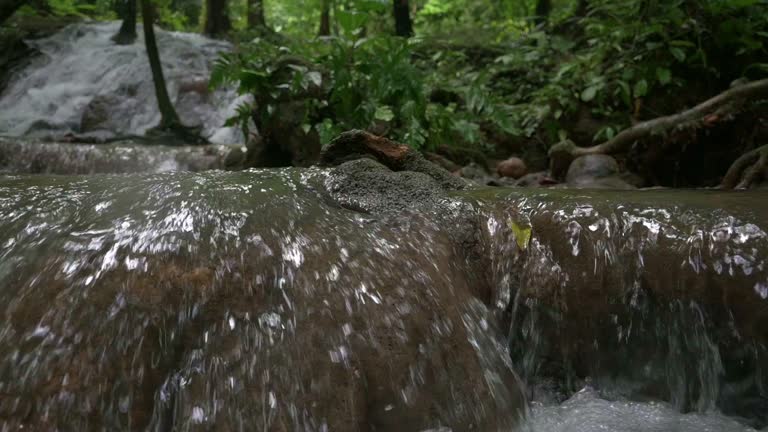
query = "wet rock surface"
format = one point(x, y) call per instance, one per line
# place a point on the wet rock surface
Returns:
point(230, 300)
point(595, 172)
point(380, 294)
point(395, 156)
point(653, 295)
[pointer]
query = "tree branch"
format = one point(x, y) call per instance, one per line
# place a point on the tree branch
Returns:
point(747, 169)
point(706, 113)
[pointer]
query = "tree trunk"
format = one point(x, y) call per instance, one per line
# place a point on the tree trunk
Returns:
point(217, 18)
point(325, 19)
point(543, 9)
point(402, 12)
point(8, 7)
point(582, 7)
point(169, 120)
point(256, 14)
point(127, 33)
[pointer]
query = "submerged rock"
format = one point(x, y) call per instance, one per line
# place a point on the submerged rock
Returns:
point(652, 295)
point(231, 301)
point(97, 114)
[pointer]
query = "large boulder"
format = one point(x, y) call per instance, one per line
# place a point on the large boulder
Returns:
point(595, 172)
point(230, 301)
point(358, 144)
point(592, 166)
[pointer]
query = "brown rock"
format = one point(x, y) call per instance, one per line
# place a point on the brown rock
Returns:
point(513, 167)
point(357, 144)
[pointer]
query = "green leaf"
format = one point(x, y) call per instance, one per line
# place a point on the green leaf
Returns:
point(384, 113)
point(682, 43)
point(664, 75)
point(350, 21)
point(522, 234)
point(641, 88)
point(316, 78)
point(678, 53)
point(626, 93)
point(589, 93)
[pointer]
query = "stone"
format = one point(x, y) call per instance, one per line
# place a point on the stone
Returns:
point(356, 144)
point(537, 179)
point(235, 158)
point(96, 115)
point(513, 167)
point(592, 166)
point(476, 173)
point(442, 161)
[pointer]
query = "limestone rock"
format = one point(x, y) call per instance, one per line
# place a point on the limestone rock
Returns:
point(358, 144)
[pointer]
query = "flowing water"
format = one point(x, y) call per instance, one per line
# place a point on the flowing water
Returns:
point(29, 157)
point(258, 300)
point(240, 301)
point(645, 296)
point(253, 301)
point(84, 83)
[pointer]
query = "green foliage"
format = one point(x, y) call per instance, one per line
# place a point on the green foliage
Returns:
point(362, 82)
point(618, 60)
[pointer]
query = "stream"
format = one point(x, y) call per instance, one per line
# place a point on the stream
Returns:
point(145, 288)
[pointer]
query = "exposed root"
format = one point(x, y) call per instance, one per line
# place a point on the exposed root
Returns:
point(747, 170)
point(706, 114)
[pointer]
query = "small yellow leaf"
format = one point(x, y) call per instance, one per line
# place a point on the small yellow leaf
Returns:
point(522, 234)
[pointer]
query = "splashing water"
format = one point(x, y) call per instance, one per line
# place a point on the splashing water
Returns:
point(28, 157)
point(586, 411)
point(251, 301)
point(235, 301)
point(84, 83)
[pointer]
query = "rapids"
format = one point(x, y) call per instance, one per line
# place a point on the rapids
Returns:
point(258, 300)
point(30, 157)
point(84, 83)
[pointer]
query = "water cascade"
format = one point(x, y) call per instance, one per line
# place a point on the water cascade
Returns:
point(85, 84)
point(30, 157)
point(235, 301)
point(265, 300)
point(351, 298)
point(657, 295)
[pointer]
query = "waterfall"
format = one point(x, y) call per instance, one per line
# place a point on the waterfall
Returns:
point(84, 83)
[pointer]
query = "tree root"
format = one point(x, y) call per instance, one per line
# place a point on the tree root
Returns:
point(706, 114)
point(747, 170)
